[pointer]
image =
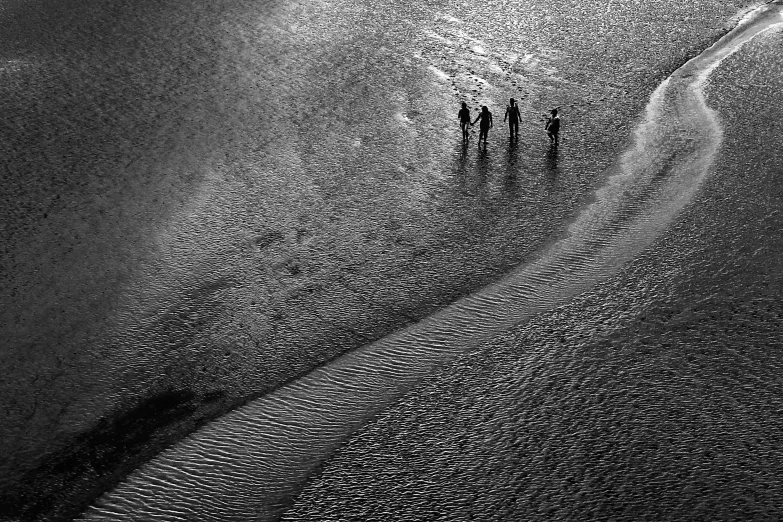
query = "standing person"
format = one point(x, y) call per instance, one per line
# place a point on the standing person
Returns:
point(464, 120)
point(486, 123)
point(553, 127)
point(513, 116)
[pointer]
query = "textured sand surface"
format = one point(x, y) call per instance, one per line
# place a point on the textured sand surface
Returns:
point(203, 201)
point(656, 396)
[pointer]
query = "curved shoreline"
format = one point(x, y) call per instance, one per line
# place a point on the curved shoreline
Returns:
point(291, 426)
point(649, 396)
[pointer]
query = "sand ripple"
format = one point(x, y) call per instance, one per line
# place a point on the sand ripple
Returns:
point(250, 463)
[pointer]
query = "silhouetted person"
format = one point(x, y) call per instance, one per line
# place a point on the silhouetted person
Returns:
point(553, 127)
point(486, 123)
point(513, 116)
point(464, 120)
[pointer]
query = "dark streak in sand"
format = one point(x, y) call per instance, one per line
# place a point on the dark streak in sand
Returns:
point(65, 482)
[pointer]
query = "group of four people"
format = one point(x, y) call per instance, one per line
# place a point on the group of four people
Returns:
point(513, 116)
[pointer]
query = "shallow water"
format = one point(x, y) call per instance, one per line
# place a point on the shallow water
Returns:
point(654, 396)
point(249, 464)
point(204, 201)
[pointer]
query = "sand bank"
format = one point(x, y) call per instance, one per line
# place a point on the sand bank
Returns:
point(268, 448)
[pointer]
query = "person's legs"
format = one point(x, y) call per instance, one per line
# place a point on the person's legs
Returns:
point(516, 129)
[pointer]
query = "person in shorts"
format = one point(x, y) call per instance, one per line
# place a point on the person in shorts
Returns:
point(513, 116)
point(553, 127)
point(486, 123)
point(464, 120)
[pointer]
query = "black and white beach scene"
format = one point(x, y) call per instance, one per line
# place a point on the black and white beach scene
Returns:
point(399, 260)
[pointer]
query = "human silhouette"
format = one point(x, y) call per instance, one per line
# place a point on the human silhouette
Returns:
point(513, 116)
point(486, 123)
point(553, 127)
point(464, 120)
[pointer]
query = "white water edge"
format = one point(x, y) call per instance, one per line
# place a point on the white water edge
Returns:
point(250, 463)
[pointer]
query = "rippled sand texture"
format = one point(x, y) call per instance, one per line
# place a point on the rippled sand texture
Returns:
point(247, 464)
point(656, 396)
point(201, 201)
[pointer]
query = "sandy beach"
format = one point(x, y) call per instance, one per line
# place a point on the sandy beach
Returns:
point(202, 203)
point(655, 396)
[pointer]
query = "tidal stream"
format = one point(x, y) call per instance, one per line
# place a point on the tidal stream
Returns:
point(251, 463)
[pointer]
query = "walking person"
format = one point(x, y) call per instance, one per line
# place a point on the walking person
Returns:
point(486, 123)
point(513, 116)
point(553, 127)
point(464, 120)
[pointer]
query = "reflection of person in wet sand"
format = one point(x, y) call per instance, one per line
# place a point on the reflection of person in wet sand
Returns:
point(464, 120)
point(551, 160)
point(513, 117)
point(486, 123)
point(553, 127)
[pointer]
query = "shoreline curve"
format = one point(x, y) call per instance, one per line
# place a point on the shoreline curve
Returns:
point(251, 462)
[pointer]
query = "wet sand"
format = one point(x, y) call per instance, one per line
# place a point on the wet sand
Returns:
point(249, 463)
point(656, 395)
point(152, 281)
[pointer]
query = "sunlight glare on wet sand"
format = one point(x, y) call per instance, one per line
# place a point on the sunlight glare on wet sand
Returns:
point(268, 448)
